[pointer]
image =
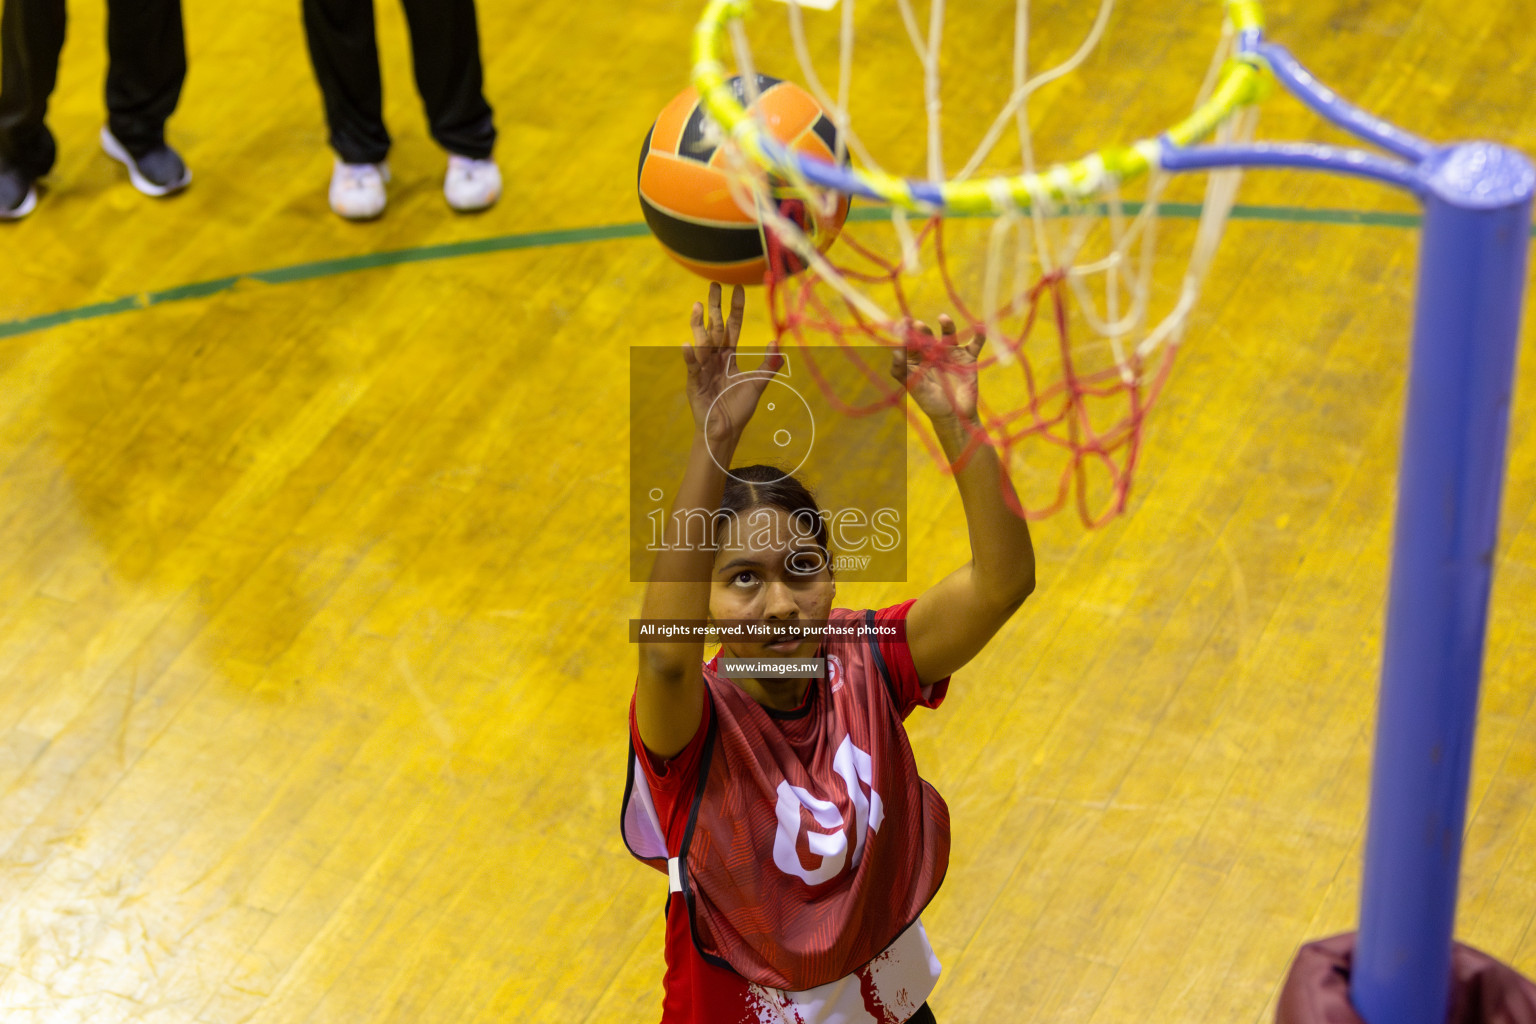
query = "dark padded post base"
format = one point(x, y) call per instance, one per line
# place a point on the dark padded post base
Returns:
point(1483, 991)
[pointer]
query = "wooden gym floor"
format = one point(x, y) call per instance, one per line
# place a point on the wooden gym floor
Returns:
point(313, 590)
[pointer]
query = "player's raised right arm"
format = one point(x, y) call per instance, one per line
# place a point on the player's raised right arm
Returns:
point(669, 695)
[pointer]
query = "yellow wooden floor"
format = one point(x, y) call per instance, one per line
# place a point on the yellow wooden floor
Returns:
point(313, 594)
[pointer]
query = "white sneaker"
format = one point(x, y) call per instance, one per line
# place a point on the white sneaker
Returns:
point(357, 190)
point(471, 184)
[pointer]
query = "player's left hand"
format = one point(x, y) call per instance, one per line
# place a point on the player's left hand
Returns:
point(939, 373)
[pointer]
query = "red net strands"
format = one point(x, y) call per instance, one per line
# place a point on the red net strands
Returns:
point(1068, 419)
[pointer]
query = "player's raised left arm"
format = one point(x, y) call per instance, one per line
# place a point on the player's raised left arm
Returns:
point(953, 620)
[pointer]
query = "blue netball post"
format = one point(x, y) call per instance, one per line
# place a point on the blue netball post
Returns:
point(1472, 265)
point(1477, 201)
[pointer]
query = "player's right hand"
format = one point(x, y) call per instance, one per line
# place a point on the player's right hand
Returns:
point(723, 402)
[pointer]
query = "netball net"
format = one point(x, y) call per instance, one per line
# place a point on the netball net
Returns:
point(1081, 284)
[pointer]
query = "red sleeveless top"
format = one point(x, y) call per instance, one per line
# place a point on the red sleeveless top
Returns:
point(808, 849)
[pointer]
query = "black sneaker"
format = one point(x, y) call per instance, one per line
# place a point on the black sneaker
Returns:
point(17, 194)
point(158, 172)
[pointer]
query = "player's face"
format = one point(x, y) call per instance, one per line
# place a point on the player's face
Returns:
point(768, 568)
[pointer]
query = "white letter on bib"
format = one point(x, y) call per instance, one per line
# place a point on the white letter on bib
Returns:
point(854, 767)
point(832, 848)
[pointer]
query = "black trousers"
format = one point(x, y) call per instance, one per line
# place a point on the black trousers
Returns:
point(922, 1016)
point(445, 47)
point(147, 63)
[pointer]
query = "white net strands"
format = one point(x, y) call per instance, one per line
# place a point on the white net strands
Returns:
point(1081, 281)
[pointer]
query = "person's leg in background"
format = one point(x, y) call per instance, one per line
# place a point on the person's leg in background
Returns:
point(445, 45)
point(922, 1016)
point(147, 64)
point(343, 48)
point(31, 37)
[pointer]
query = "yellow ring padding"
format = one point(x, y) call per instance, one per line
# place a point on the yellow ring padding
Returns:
point(1243, 81)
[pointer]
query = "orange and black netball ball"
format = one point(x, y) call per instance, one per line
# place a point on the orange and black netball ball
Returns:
point(688, 202)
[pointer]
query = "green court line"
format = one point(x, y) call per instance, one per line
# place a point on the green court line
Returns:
point(576, 236)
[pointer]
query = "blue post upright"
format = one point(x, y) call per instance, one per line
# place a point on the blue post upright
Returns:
point(1472, 269)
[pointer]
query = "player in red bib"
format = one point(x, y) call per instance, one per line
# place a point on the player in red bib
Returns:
point(800, 843)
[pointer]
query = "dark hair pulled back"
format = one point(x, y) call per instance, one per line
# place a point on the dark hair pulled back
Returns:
point(751, 487)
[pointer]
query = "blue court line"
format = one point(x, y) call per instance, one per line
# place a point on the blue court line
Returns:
point(576, 236)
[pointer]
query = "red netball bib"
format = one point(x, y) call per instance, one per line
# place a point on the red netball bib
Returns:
point(812, 842)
